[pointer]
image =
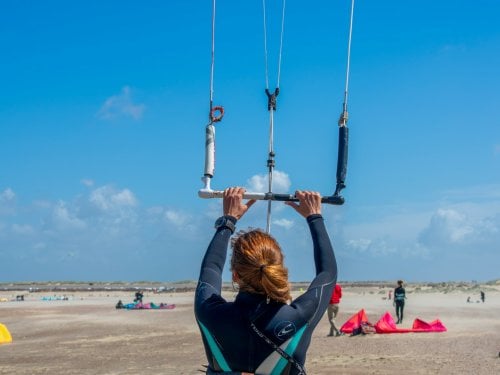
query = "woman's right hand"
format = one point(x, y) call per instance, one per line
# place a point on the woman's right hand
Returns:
point(309, 203)
point(233, 202)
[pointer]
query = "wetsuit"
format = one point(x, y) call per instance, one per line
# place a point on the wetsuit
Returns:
point(399, 300)
point(230, 343)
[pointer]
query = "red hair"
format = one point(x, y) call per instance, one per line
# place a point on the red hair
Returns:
point(258, 261)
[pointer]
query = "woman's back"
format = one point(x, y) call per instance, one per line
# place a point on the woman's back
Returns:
point(255, 333)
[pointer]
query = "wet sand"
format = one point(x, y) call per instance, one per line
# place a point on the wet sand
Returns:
point(87, 335)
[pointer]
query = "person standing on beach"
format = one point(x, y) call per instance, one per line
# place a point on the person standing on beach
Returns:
point(482, 296)
point(399, 301)
point(263, 331)
point(333, 310)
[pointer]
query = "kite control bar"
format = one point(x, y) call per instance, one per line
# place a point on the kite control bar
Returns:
point(209, 193)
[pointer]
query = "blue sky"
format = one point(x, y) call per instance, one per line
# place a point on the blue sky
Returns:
point(103, 107)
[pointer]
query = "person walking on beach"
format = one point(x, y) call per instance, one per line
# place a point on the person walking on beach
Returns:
point(399, 301)
point(482, 296)
point(333, 310)
point(263, 331)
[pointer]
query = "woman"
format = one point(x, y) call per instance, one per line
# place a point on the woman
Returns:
point(399, 301)
point(262, 331)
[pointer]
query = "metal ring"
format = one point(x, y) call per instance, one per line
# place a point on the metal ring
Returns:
point(213, 116)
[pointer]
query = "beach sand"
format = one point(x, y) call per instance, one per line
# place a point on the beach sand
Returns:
point(87, 335)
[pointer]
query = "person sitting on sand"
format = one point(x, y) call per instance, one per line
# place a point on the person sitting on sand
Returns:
point(262, 331)
point(138, 297)
point(399, 301)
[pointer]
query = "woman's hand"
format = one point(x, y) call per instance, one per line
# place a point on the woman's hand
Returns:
point(309, 203)
point(233, 202)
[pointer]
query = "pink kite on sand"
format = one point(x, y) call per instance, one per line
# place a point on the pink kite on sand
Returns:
point(354, 322)
point(386, 324)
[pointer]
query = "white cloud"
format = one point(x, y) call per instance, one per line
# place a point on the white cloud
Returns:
point(176, 218)
point(284, 223)
point(63, 218)
point(124, 198)
point(154, 211)
point(259, 183)
point(7, 195)
point(379, 246)
point(360, 245)
point(7, 201)
point(106, 222)
point(121, 105)
point(87, 182)
point(107, 198)
point(447, 226)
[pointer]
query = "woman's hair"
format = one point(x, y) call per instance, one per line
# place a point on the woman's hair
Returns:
point(258, 261)
point(400, 282)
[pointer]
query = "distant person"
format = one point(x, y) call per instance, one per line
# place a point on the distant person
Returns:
point(138, 297)
point(482, 296)
point(390, 295)
point(399, 301)
point(263, 331)
point(468, 300)
point(333, 310)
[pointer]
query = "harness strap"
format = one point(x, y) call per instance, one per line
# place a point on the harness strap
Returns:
point(280, 351)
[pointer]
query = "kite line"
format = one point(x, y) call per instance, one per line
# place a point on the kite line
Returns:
point(271, 105)
point(216, 114)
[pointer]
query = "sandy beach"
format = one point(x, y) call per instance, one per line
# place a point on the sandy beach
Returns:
point(85, 334)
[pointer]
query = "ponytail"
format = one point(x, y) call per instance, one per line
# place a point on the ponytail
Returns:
point(258, 260)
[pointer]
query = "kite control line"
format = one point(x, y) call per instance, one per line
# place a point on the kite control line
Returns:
point(217, 112)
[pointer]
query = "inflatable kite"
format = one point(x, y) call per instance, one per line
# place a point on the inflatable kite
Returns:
point(386, 324)
point(354, 322)
point(145, 306)
point(5, 336)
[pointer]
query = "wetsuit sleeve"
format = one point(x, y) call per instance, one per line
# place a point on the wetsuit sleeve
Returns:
point(210, 280)
point(314, 301)
point(324, 259)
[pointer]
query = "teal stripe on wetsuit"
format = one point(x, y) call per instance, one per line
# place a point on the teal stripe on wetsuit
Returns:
point(215, 348)
point(290, 349)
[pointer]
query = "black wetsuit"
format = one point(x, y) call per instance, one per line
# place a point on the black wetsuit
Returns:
point(230, 343)
point(399, 300)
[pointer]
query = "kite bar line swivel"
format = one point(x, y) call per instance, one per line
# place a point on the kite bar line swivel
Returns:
point(271, 99)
